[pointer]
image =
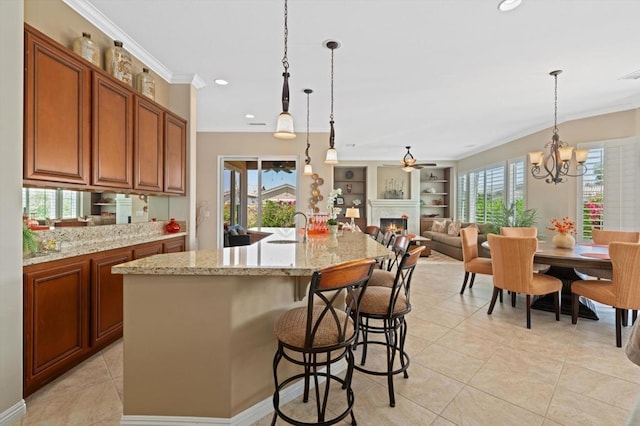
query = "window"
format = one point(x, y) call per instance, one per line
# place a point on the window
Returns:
point(51, 203)
point(610, 188)
point(482, 194)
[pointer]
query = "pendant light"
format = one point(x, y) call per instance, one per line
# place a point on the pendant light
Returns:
point(308, 170)
point(554, 165)
point(332, 154)
point(284, 126)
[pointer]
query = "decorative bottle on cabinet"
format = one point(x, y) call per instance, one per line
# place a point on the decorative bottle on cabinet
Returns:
point(172, 227)
point(118, 63)
point(146, 84)
point(86, 48)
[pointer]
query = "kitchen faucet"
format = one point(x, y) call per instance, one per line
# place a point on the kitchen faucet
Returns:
point(304, 238)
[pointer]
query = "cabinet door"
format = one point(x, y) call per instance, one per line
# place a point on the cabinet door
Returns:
point(112, 133)
point(147, 250)
point(176, 245)
point(57, 131)
point(148, 146)
point(55, 321)
point(106, 298)
point(175, 154)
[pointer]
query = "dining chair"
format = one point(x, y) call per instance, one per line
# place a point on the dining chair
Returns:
point(383, 311)
point(524, 231)
point(605, 237)
point(621, 292)
point(512, 259)
point(472, 263)
point(320, 334)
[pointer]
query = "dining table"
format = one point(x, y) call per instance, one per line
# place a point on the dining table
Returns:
point(563, 262)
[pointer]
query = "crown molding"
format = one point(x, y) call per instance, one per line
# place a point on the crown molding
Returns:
point(194, 79)
point(104, 24)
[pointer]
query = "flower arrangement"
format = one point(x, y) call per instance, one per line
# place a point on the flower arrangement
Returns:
point(565, 227)
point(331, 207)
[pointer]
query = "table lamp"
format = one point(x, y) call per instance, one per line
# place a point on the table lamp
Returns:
point(353, 213)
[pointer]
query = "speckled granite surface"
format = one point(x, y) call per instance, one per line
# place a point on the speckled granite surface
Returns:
point(76, 241)
point(264, 257)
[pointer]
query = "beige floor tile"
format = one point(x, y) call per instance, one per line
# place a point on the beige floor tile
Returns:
point(570, 408)
point(604, 358)
point(425, 330)
point(473, 345)
point(547, 346)
point(372, 408)
point(93, 404)
point(438, 316)
point(494, 329)
point(441, 421)
point(602, 387)
point(113, 355)
point(474, 407)
point(427, 388)
point(521, 378)
point(452, 364)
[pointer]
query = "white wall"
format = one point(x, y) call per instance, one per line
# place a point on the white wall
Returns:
point(11, 52)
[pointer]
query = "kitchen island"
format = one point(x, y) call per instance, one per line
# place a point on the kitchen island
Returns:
point(198, 326)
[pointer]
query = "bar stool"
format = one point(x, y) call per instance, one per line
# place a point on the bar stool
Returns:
point(320, 334)
point(386, 277)
point(388, 305)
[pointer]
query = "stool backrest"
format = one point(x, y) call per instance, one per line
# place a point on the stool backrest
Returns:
point(325, 308)
point(399, 248)
point(372, 231)
point(402, 283)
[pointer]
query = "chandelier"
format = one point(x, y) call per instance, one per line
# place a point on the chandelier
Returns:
point(284, 126)
point(308, 170)
point(554, 165)
point(332, 154)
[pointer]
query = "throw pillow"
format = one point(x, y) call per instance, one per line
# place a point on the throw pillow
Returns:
point(439, 226)
point(454, 228)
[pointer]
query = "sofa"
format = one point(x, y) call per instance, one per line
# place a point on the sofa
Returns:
point(236, 235)
point(447, 240)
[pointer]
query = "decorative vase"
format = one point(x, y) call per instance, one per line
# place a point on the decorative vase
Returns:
point(172, 227)
point(333, 229)
point(86, 48)
point(117, 62)
point(146, 84)
point(563, 240)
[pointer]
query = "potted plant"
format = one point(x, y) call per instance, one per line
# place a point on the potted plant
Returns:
point(514, 217)
point(334, 211)
point(29, 241)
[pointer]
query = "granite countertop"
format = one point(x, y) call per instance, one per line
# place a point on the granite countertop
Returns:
point(263, 257)
point(78, 241)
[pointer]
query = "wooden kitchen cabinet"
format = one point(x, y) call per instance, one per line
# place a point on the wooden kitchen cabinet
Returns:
point(57, 119)
point(106, 297)
point(146, 250)
point(174, 245)
point(148, 142)
point(175, 154)
point(56, 319)
point(112, 133)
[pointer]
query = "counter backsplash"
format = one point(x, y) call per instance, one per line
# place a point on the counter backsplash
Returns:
point(82, 235)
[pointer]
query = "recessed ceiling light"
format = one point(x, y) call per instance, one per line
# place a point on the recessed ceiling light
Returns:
point(249, 116)
point(220, 82)
point(507, 5)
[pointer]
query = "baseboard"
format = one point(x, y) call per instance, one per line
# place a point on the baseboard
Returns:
point(13, 413)
point(247, 417)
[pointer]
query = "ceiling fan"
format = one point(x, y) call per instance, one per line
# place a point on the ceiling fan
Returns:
point(409, 164)
point(279, 166)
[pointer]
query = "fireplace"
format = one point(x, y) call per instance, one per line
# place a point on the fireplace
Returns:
point(396, 225)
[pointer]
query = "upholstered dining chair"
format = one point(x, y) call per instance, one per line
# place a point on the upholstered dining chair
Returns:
point(473, 264)
point(604, 237)
point(524, 231)
point(622, 291)
point(320, 334)
point(512, 259)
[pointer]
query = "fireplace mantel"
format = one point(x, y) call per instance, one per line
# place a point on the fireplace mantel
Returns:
point(396, 208)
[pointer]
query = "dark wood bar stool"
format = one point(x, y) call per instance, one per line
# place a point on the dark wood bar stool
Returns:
point(382, 311)
point(318, 335)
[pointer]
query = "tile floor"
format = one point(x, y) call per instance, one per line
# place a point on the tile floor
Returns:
point(467, 368)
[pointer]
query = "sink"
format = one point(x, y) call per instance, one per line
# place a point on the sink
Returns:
point(283, 241)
